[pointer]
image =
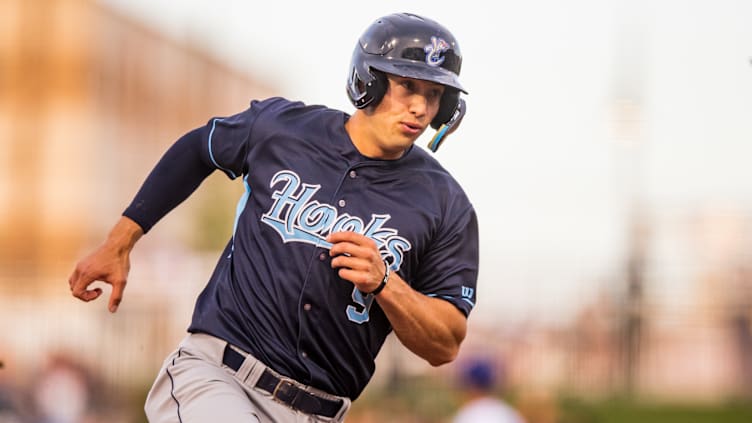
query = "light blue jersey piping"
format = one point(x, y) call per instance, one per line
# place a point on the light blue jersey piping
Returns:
point(211, 155)
point(240, 207)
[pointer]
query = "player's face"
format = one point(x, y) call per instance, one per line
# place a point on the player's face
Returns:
point(407, 109)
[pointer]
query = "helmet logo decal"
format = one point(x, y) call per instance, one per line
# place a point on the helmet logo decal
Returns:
point(435, 50)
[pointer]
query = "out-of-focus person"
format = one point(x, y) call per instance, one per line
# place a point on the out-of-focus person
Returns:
point(8, 409)
point(62, 392)
point(478, 380)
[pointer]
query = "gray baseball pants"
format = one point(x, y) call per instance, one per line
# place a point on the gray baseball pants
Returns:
point(195, 386)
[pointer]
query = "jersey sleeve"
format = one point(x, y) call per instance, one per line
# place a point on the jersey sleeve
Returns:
point(226, 142)
point(449, 269)
point(228, 138)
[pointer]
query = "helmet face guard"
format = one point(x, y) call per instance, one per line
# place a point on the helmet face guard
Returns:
point(409, 46)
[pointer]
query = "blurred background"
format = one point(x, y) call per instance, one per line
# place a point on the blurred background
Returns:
point(606, 150)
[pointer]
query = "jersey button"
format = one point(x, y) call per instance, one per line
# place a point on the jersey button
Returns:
point(342, 203)
point(353, 174)
point(304, 354)
point(307, 307)
point(322, 256)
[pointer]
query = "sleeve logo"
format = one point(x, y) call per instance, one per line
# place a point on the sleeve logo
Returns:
point(468, 294)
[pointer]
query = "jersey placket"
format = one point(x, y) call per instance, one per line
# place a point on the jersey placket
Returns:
point(309, 313)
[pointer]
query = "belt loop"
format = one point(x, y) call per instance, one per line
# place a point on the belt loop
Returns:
point(246, 368)
point(346, 403)
point(255, 370)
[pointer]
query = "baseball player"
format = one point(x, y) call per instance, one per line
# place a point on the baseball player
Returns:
point(346, 232)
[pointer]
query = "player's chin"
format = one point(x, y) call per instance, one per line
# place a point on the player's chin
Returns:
point(398, 148)
point(405, 140)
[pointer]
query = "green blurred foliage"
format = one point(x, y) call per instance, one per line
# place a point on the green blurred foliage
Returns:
point(214, 212)
point(431, 400)
point(622, 410)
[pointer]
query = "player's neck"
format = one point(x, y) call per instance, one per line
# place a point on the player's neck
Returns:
point(365, 138)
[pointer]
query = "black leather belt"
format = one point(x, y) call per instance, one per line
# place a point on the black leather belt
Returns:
point(285, 390)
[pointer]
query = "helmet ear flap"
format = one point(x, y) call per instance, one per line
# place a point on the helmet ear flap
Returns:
point(376, 89)
point(363, 94)
point(447, 106)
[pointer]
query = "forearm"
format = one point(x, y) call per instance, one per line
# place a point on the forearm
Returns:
point(429, 327)
point(177, 174)
point(124, 235)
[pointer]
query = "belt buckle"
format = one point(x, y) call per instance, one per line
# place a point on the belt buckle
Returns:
point(285, 390)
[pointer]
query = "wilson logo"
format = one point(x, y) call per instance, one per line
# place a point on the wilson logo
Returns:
point(467, 294)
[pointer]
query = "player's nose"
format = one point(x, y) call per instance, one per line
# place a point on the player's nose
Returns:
point(418, 105)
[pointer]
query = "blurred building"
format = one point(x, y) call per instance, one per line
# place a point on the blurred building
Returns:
point(694, 341)
point(89, 101)
point(697, 340)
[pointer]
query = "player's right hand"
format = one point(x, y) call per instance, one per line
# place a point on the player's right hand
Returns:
point(110, 263)
point(105, 265)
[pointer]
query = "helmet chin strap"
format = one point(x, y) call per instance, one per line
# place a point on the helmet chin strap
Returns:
point(448, 127)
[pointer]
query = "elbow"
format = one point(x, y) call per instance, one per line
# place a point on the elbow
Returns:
point(447, 351)
point(440, 362)
point(445, 357)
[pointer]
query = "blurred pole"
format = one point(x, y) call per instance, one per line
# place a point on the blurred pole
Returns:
point(628, 98)
point(741, 326)
point(634, 317)
point(394, 381)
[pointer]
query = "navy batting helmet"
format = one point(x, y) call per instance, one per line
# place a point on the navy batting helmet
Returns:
point(410, 46)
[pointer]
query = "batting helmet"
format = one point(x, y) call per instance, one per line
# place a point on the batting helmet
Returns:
point(409, 46)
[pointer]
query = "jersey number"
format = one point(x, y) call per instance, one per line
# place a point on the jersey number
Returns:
point(364, 304)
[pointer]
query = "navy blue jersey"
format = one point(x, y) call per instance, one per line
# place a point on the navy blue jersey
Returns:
point(274, 293)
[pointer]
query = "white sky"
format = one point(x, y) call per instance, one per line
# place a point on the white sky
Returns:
point(538, 153)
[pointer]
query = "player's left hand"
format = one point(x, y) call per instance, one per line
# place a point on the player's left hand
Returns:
point(358, 259)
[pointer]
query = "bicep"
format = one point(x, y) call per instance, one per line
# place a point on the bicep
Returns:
point(449, 267)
